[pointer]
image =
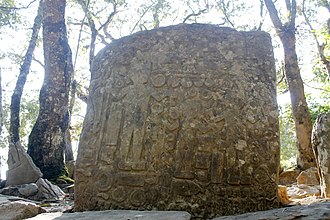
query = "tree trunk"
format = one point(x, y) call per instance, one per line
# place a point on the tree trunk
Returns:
point(68, 148)
point(0, 113)
point(301, 116)
point(24, 71)
point(47, 140)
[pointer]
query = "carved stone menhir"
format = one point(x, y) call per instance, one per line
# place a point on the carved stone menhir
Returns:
point(181, 118)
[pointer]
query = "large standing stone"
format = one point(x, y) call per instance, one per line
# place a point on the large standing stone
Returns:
point(21, 169)
point(181, 118)
point(321, 147)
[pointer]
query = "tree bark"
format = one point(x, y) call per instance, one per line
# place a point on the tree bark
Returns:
point(0, 113)
point(301, 115)
point(47, 140)
point(24, 71)
point(68, 149)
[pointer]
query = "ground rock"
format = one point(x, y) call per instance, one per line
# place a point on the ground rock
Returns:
point(116, 215)
point(304, 212)
point(302, 191)
point(21, 169)
point(309, 177)
point(288, 177)
point(19, 210)
point(41, 190)
point(321, 147)
point(25, 190)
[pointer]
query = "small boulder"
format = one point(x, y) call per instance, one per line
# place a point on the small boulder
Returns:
point(288, 177)
point(309, 177)
point(28, 189)
point(19, 210)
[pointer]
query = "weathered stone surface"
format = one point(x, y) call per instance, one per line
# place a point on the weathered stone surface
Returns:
point(24, 190)
point(304, 212)
point(302, 191)
point(116, 215)
point(309, 177)
point(321, 147)
point(28, 189)
point(21, 169)
point(181, 118)
point(289, 177)
point(19, 210)
point(47, 191)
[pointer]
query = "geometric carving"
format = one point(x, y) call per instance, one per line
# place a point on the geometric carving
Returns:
point(181, 118)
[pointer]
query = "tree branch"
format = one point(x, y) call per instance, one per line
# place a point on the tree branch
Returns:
point(194, 14)
point(320, 48)
point(261, 15)
point(38, 61)
point(293, 13)
point(92, 27)
point(224, 11)
point(78, 44)
point(274, 16)
point(143, 14)
point(17, 8)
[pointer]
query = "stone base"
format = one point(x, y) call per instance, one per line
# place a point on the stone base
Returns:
point(116, 215)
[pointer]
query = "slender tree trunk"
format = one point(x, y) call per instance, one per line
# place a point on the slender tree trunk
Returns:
point(92, 27)
point(68, 149)
point(24, 71)
point(302, 119)
point(0, 113)
point(47, 140)
point(301, 116)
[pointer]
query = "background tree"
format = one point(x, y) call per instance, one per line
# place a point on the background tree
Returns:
point(301, 116)
point(21, 80)
point(47, 140)
point(320, 35)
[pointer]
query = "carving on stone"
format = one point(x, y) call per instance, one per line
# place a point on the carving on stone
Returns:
point(185, 124)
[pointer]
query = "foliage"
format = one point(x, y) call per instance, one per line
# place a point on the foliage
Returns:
point(317, 107)
point(8, 13)
point(287, 137)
